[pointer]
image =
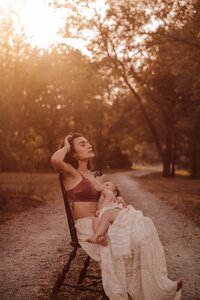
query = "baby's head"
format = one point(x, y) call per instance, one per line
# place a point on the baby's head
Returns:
point(112, 187)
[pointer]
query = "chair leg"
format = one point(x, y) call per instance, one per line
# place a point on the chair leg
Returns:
point(61, 277)
point(104, 297)
point(84, 270)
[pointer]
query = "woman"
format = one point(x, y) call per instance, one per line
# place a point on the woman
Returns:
point(83, 190)
point(133, 264)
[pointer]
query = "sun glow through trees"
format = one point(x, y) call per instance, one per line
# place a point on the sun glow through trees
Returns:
point(39, 22)
point(42, 23)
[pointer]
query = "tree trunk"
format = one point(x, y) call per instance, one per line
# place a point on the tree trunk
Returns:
point(195, 164)
point(168, 154)
point(167, 165)
point(173, 171)
point(148, 120)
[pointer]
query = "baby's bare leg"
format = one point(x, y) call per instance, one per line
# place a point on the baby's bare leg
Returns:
point(95, 224)
point(102, 239)
point(108, 217)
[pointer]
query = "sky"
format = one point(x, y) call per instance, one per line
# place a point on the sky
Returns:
point(41, 22)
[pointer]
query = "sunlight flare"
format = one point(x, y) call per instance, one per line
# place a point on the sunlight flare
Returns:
point(42, 23)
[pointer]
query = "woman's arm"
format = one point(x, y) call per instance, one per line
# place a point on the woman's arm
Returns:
point(99, 203)
point(57, 159)
point(106, 197)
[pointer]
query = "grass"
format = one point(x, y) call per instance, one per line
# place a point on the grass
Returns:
point(41, 183)
point(22, 191)
point(181, 192)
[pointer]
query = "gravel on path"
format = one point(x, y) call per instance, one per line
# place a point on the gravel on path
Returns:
point(34, 245)
point(32, 248)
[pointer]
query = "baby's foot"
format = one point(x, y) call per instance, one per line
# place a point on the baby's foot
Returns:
point(93, 239)
point(179, 284)
point(102, 240)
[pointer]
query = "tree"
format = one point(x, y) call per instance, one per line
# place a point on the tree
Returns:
point(125, 43)
point(177, 46)
point(43, 97)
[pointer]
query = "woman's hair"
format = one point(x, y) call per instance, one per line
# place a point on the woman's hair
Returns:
point(69, 158)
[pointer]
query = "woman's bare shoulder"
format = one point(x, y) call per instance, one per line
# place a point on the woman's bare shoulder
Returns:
point(65, 169)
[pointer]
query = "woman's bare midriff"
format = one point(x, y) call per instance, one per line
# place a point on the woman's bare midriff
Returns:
point(83, 209)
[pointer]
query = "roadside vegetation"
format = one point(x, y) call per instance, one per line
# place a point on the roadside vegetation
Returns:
point(22, 191)
point(181, 192)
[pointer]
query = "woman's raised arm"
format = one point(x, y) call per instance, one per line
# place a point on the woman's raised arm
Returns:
point(57, 159)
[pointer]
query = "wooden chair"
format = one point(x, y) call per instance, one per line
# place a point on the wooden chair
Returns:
point(79, 284)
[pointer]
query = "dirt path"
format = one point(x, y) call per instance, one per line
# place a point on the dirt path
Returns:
point(32, 249)
point(34, 245)
point(180, 237)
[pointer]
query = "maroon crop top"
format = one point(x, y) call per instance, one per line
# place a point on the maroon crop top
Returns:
point(84, 191)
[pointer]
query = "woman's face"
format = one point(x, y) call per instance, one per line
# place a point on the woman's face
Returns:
point(83, 149)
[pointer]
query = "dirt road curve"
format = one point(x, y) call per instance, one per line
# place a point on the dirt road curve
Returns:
point(34, 245)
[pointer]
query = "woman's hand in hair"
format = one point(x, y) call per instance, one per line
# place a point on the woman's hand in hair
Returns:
point(66, 140)
point(57, 159)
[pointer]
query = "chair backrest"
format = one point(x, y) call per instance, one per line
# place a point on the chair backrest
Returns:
point(70, 220)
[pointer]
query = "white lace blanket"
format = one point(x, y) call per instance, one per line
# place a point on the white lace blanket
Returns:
point(133, 264)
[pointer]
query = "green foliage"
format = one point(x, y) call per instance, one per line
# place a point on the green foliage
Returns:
point(44, 97)
point(139, 91)
point(159, 67)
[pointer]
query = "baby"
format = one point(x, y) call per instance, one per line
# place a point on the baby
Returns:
point(107, 211)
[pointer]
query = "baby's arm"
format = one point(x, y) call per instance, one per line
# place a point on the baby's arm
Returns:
point(106, 197)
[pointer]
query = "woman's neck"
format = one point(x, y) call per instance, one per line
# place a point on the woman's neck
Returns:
point(83, 166)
